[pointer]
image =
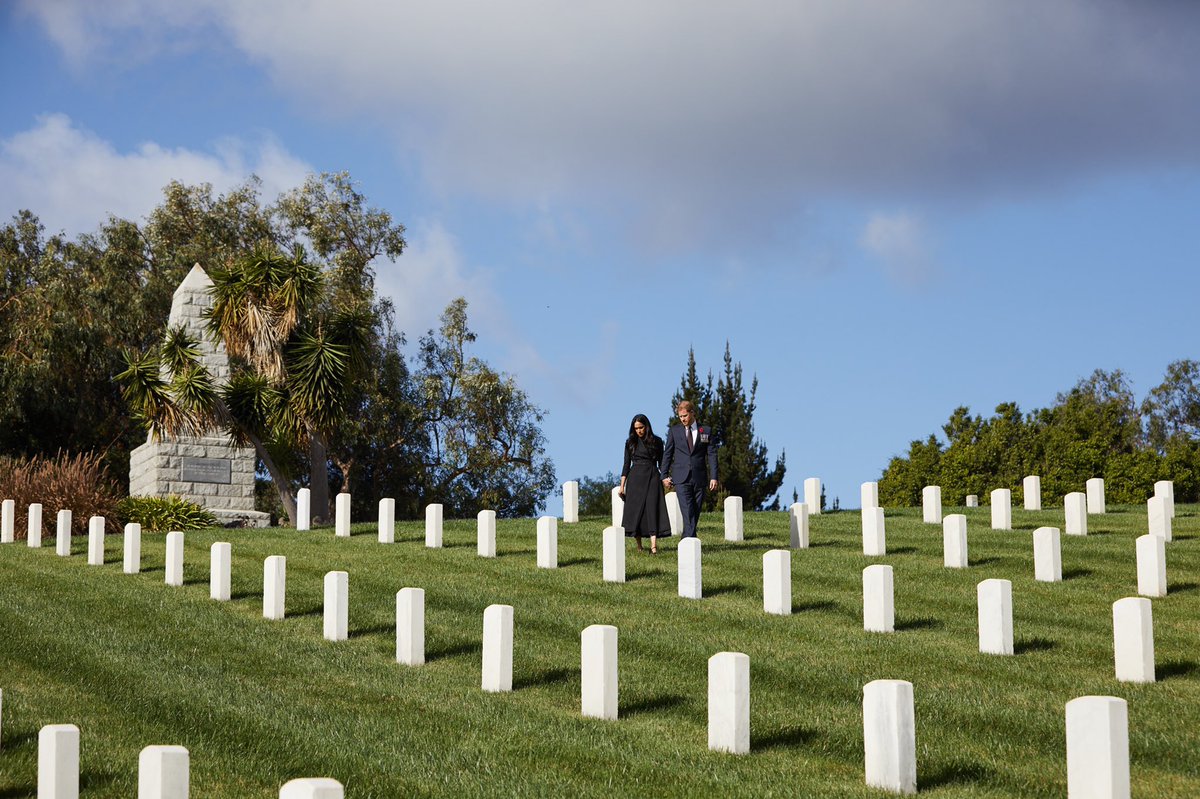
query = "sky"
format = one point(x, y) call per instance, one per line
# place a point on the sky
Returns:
point(886, 209)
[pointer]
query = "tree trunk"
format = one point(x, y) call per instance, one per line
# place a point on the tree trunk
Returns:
point(318, 477)
point(282, 485)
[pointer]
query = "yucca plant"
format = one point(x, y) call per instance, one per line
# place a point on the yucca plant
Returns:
point(160, 514)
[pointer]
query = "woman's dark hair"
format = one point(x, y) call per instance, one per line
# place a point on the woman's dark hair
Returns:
point(633, 436)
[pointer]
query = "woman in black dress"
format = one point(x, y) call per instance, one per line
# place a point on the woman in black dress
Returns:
point(641, 487)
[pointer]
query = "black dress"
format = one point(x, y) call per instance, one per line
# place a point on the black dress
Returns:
point(645, 504)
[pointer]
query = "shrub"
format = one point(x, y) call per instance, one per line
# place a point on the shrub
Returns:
point(159, 514)
point(79, 483)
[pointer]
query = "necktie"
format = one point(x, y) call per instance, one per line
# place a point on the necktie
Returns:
point(690, 445)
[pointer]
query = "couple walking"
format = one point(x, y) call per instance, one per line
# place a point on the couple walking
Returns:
point(687, 462)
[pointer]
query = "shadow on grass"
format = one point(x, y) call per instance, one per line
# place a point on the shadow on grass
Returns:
point(17, 741)
point(544, 677)
point(984, 561)
point(1177, 537)
point(1071, 574)
point(508, 553)
point(629, 578)
point(815, 544)
point(562, 564)
point(901, 550)
point(919, 623)
point(376, 629)
point(955, 774)
point(801, 607)
point(728, 588)
point(152, 569)
point(642, 706)
point(1034, 645)
point(234, 597)
point(454, 650)
point(1176, 668)
point(319, 610)
point(1179, 588)
point(90, 780)
point(786, 738)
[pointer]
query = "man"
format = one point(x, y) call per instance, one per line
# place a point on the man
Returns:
point(689, 464)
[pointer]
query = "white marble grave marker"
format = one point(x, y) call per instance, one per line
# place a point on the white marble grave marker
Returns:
point(8, 521)
point(994, 598)
point(972, 500)
point(96, 541)
point(410, 626)
point(777, 582)
point(931, 504)
point(1002, 509)
point(674, 514)
point(274, 587)
point(433, 526)
point(387, 520)
point(890, 735)
point(613, 567)
point(1166, 489)
point(874, 536)
point(1047, 555)
point(163, 773)
point(618, 507)
point(337, 606)
point(689, 569)
point(33, 527)
point(734, 530)
point(729, 703)
point(58, 762)
point(63, 537)
point(798, 525)
point(1031, 487)
point(132, 563)
point(598, 656)
point(341, 515)
point(868, 494)
point(1160, 517)
point(879, 599)
point(303, 509)
point(1151, 565)
point(174, 570)
point(312, 788)
point(498, 648)
point(1095, 495)
point(1133, 639)
point(571, 502)
point(485, 533)
point(954, 541)
point(1097, 748)
point(220, 567)
point(812, 495)
point(1075, 506)
point(547, 542)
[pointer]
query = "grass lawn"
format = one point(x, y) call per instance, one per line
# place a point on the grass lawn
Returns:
point(133, 662)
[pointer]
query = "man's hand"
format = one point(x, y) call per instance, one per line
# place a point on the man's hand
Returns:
point(712, 485)
point(666, 482)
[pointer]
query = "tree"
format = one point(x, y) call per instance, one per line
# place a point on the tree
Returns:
point(595, 495)
point(1172, 408)
point(742, 462)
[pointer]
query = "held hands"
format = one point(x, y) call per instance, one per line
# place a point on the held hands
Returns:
point(667, 482)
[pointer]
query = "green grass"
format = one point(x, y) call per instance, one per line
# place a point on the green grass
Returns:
point(134, 662)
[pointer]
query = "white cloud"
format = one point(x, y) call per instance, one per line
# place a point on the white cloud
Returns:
point(423, 281)
point(73, 179)
point(899, 241)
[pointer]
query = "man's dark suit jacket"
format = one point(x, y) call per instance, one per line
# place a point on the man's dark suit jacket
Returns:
point(696, 467)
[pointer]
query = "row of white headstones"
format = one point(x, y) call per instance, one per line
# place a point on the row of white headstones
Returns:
point(1098, 765)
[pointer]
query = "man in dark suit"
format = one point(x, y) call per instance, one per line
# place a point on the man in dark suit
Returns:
point(689, 464)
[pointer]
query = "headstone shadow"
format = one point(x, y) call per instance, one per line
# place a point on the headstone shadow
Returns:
point(544, 677)
point(1179, 588)
point(727, 588)
point(901, 550)
point(454, 650)
point(918, 623)
point(650, 705)
point(1175, 668)
point(786, 738)
point(562, 564)
point(955, 774)
point(1071, 574)
point(233, 597)
point(1027, 645)
point(984, 561)
point(825, 604)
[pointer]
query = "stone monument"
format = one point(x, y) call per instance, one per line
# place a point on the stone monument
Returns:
point(208, 470)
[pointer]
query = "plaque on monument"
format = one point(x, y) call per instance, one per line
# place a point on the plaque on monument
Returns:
point(206, 470)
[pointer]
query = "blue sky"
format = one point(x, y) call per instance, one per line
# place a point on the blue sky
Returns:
point(887, 209)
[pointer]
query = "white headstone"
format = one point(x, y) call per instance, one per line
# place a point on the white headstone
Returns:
point(433, 526)
point(132, 563)
point(1133, 639)
point(1047, 555)
point(96, 541)
point(995, 617)
point(798, 525)
point(1031, 487)
point(303, 509)
point(274, 587)
point(972, 500)
point(498, 648)
point(689, 569)
point(220, 568)
point(613, 544)
point(674, 514)
point(931, 504)
point(341, 515)
point(570, 502)
point(879, 599)
point(812, 495)
point(33, 528)
point(954, 541)
point(387, 520)
point(485, 523)
point(868, 494)
point(777, 582)
point(174, 564)
point(598, 656)
point(1159, 515)
point(1151, 565)
point(1075, 506)
point(547, 542)
point(734, 531)
point(58, 762)
point(8, 521)
point(618, 507)
point(337, 606)
point(312, 788)
point(729, 703)
point(1002, 509)
point(874, 536)
point(63, 538)
point(1095, 495)
point(1097, 748)
point(163, 773)
point(410, 626)
point(890, 735)
point(1166, 488)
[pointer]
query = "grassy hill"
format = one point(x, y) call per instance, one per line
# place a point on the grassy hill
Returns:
point(134, 662)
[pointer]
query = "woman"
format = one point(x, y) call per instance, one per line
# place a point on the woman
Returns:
point(641, 486)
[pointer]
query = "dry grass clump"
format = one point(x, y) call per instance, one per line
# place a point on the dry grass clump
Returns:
point(78, 483)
